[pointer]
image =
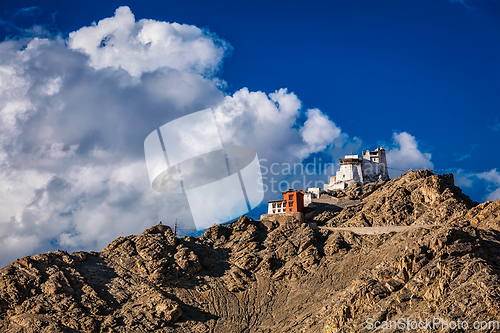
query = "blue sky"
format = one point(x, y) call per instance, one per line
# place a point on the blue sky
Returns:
point(421, 78)
point(431, 68)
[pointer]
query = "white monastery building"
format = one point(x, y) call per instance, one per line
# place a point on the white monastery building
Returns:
point(312, 193)
point(276, 206)
point(372, 166)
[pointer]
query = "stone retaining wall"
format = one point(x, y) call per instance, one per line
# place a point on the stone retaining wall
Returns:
point(282, 217)
point(328, 199)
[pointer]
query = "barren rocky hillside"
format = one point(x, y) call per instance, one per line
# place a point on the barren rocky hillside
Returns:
point(276, 276)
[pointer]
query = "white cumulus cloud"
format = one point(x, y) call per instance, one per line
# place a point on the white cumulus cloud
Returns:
point(404, 155)
point(492, 176)
point(486, 183)
point(318, 132)
point(260, 121)
point(147, 45)
point(268, 124)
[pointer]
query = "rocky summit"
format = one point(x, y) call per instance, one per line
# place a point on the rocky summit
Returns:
point(281, 274)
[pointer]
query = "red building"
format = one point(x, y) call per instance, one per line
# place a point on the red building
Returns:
point(293, 202)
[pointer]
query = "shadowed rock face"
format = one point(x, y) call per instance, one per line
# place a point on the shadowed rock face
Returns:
point(275, 276)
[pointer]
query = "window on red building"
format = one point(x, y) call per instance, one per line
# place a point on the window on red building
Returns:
point(290, 197)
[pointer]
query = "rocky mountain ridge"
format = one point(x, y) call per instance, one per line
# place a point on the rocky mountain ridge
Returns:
point(275, 275)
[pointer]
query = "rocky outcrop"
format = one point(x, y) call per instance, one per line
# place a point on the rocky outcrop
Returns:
point(418, 197)
point(276, 275)
point(485, 215)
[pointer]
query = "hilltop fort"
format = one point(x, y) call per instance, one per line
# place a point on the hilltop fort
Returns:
point(372, 166)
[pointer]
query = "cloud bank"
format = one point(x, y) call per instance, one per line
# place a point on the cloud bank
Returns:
point(73, 118)
point(74, 115)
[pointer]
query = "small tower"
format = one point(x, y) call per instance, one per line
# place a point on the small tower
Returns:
point(375, 164)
